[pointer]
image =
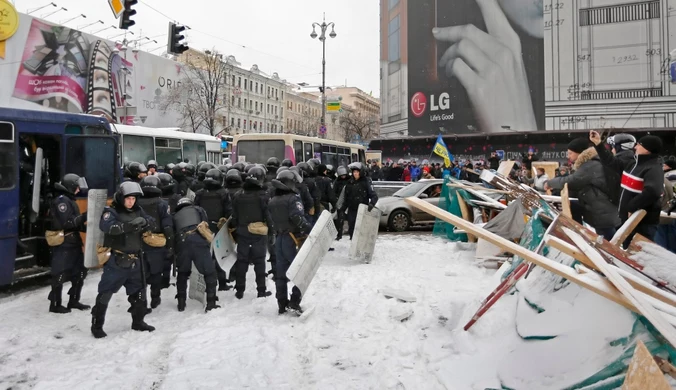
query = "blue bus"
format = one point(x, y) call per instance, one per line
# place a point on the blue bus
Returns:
point(36, 149)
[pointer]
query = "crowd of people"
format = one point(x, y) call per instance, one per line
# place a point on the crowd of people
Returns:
point(153, 226)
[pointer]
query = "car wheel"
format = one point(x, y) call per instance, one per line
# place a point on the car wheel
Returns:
point(399, 221)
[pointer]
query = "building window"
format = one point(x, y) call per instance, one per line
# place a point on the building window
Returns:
point(256, 106)
point(232, 122)
point(256, 87)
point(233, 79)
point(268, 91)
point(239, 82)
point(393, 39)
point(244, 83)
point(392, 3)
point(233, 101)
point(245, 104)
point(282, 95)
point(239, 123)
point(239, 102)
point(251, 104)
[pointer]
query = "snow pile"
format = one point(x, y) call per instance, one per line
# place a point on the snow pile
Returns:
point(657, 262)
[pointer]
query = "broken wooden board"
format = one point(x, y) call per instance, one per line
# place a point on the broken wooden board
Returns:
point(486, 198)
point(627, 227)
point(643, 372)
point(478, 188)
point(598, 286)
point(649, 312)
point(529, 197)
point(565, 202)
point(466, 214)
point(398, 294)
point(505, 167)
point(636, 282)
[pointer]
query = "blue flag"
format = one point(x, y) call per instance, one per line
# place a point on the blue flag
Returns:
point(441, 150)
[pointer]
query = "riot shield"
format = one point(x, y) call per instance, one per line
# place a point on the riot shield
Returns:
point(365, 234)
point(37, 182)
point(190, 194)
point(223, 248)
point(96, 201)
point(309, 257)
point(198, 287)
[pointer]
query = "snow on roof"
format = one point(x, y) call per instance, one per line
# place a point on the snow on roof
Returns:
point(168, 132)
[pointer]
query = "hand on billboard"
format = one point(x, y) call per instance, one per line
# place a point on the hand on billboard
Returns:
point(490, 67)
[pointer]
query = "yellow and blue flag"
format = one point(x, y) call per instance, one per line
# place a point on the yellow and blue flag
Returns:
point(441, 150)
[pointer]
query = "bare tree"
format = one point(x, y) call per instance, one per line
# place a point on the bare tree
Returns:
point(201, 95)
point(357, 123)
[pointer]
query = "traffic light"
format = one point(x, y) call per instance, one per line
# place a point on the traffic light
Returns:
point(125, 19)
point(175, 46)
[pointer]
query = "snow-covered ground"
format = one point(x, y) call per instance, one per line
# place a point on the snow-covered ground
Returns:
point(348, 341)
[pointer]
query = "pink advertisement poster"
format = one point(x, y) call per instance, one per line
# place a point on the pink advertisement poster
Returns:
point(67, 70)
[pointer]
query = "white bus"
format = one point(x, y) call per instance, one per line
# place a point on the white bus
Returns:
point(257, 148)
point(166, 145)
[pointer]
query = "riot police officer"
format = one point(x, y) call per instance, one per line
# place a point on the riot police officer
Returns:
point(193, 247)
point(233, 182)
point(157, 256)
point(251, 220)
point(215, 201)
point(135, 172)
point(182, 181)
point(325, 186)
point(305, 196)
point(338, 186)
point(272, 165)
point(168, 187)
point(123, 224)
point(359, 190)
point(152, 168)
point(288, 216)
point(309, 175)
point(287, 163)
point(201, 175)
point(67, 258)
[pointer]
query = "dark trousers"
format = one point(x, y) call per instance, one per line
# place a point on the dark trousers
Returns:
point(339, 222)
point(67, 264)
point(665, 236)
point(114, 277)
point(607, 233)
point(155, 262)
point(251, 248)
point(286, 252)
point(193, 248)
point(272, 252)
point(351, 220)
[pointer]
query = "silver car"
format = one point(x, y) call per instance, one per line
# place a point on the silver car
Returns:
point(398, 216)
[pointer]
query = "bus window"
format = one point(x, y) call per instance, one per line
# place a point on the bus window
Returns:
point(73, 129)
point(137, 149)
point(308, 151)
point(93, 158)
point(194, 151)
point(298, 151)
point(258, 152)
point(167, 151)
point(362, 156)
point(354, 157)
point(7, 156)
point(318, 151)
point(95, 130)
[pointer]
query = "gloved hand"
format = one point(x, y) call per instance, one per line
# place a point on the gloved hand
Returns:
point(370, 207)
point(138, 223)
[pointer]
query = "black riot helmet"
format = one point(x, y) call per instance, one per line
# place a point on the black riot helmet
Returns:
point(314, 163)
point(177, 171)
point(263, 167)
point(214, 177)
point(286, 181)
point(255, 176)
point(622, 141)
point(204, 168)
point(248, 167)
point(341, 171)
point(199, 165)
point(152, 164)
point(71, 182)
point(151, 186)
point(298, 172)
point(305, 168)
point(169, 167)
point(273, 162)
point(167, 182)
point(287, 163)
point(223, 168)
point(282, 169)
point(134, 170)
point(238, 166)
point(233, 177)
point(127, 188)
point(190, 170)
point(183, 202)
point(329, 169)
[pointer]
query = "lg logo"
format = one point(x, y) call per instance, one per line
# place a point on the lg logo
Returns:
point(418, 104)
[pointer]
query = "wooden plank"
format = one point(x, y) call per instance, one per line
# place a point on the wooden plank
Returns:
point(649, 312)
point(627, 227)
point(478, 188)
point(643, 372)
point(466, 215)
point(565, 202)
point(550, 167)
point(636, 282)
point(505, 167)
point(601, 287)
point(486, 198)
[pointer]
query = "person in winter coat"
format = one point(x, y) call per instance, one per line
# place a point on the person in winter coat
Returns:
point(415, 171)
point(358, 191)
point(590, 184)
point(493, 161)
point(540, 180)
point(338, 186)
point(376, 172)
point(666, 232)
point(642, 182)
point(406, 174)
point(529, 158)
point(396, 172)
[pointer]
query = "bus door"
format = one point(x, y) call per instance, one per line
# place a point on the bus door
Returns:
point(308, 154)
point(9, 199)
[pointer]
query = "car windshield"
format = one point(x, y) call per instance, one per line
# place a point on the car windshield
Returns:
point(410, 190)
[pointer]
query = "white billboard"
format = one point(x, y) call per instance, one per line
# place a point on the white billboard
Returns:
point(52, 67)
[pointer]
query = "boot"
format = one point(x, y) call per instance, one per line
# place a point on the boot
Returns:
point(295, 308)
point(264, 294)
point(239, 294)
point(55, 298)
point(138, 312)
point(74, 301)
point(181, 288)
point(181, 301)
point(155, 299)
point(211, 303)
point(99, 318)
point(294, 302)
point(282, 304)
point(223, 285)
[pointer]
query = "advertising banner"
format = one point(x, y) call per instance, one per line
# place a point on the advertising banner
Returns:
point(52, 67)
point(475, 66)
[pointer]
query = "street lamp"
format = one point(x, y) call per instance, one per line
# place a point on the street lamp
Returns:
point(52, 13)
point(39, 8)
point(322, 37)
point(73, 18)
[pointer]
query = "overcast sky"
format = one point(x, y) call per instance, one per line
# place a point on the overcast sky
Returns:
point(275, 35)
